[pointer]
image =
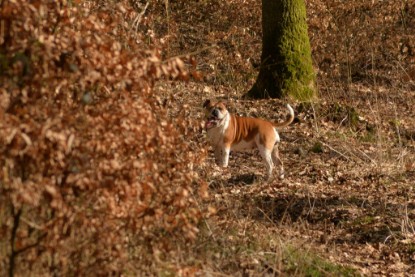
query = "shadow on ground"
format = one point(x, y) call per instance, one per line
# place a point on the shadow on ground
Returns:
point(360, 220)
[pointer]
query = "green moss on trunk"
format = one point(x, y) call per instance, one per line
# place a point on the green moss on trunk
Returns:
point(286, 65)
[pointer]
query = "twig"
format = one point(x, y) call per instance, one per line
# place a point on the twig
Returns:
point(31, 245)
point(137, 20)
point(31, 224)
point(367, 156)
point(265, 215)
point(338, 152)
point(315, 118)
point(341, 122)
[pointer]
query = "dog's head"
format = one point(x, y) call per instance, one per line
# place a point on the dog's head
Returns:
point(214, 113)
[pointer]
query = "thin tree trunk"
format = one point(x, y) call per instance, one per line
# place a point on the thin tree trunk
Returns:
point(13, 254)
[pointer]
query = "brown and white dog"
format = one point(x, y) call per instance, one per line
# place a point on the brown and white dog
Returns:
point(228, 132)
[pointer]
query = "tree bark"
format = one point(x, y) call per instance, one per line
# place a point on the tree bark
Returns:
point(286, 65)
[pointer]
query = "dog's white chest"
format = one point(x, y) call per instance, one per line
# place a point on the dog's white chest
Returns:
point(215, 136)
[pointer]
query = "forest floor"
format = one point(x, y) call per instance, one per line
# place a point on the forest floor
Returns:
point(347, 195)
point(346, 205)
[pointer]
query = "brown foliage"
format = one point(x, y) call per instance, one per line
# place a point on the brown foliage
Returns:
point(92, 165)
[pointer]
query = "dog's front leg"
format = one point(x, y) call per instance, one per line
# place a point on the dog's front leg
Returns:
point(225, 156)
point(222, 156)
point(218, 155)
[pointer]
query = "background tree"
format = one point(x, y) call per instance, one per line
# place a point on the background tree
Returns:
point(286, 65)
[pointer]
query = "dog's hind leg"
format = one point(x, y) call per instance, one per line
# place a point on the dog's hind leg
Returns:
point(266, 156)
point(277, 161)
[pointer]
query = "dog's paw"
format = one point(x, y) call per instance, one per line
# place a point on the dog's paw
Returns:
point(221, 164)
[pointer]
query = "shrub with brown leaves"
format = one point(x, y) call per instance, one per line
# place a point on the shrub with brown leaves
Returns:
point(92, 168)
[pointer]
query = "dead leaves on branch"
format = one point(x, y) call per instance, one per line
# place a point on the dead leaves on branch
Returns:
point(88, 154)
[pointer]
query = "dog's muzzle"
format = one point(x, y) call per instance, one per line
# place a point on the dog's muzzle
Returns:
point(213, 120)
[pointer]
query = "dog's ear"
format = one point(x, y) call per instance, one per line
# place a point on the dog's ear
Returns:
point(207, 103)
point(223, 104)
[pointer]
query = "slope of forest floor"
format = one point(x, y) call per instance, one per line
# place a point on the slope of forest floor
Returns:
point(348, 196)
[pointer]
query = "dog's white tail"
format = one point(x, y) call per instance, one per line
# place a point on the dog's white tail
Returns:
point(289, 119)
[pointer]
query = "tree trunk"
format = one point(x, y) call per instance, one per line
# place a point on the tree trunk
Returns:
point(286, 65)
